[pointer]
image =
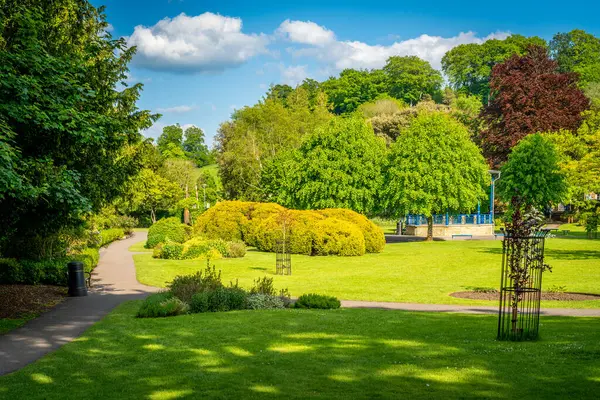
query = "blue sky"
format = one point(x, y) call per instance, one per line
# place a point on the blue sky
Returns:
point(199, 60)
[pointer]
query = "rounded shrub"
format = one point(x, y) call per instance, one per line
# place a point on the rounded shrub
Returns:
point(172, 250)
point(259, 301)
point(167, 228)
point(336, 237)
point(318, 301)
point(219, 299)
point(224, 221)
point(374, 237)
point(236, 249)
point(256, 214)
point(162, 304)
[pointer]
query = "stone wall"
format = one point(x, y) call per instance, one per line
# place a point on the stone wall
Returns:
point(449, 230)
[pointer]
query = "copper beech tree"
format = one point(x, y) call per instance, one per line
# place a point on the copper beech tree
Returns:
point(529, 95)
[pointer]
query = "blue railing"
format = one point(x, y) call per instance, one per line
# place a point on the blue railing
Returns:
point(451, 219)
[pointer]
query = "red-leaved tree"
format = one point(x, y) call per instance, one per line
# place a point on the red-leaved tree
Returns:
point(529, 95)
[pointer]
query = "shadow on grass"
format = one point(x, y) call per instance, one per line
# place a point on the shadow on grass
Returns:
point(314, 354)
point(556, 254)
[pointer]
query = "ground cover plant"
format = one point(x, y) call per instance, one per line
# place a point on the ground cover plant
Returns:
point(406, 272)
point(329, 354)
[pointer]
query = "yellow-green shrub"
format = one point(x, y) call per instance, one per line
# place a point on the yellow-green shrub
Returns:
point(374, 237)
point(337, 237)
point(256, 215)
point(167, 228)
point(223, 221)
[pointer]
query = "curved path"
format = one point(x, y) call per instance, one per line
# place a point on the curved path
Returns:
point(113, 282)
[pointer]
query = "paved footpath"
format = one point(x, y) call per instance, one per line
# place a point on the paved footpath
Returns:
point(113, 282)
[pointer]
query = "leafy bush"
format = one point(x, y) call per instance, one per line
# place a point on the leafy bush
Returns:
point(263, 286)
point(168, 228)
point(48, 272)
point(219, 299)
point(157, 251)
point(260, 225)
point(236, 249)
point(338, 237)
point(171, 250)
point(162, 305)
point(374, 237)
point(317, 301)
point(259, 301)
point(481, 289)
point(185, 286)
point(557, 289)
point(110, 235)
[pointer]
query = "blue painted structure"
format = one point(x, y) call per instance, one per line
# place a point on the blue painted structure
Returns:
point(451, 219)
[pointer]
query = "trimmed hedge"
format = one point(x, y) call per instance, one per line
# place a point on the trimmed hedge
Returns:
point(318, 301)
point(198, 247)
point(167, 228)
point(374, 237)
point(108, 236)
point(48, 272)
point(323, 232)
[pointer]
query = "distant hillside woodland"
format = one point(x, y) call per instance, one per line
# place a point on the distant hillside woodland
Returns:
point(331, 143)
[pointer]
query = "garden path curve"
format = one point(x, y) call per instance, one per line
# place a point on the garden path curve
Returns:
point(113, 282)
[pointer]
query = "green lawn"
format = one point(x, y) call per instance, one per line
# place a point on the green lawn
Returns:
point(139, 247)
point(298, 354)
point(405, 272)
point(7, 325)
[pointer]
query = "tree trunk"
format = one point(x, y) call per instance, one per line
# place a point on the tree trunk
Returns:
point(429, 228)
point(153, 216)
point(186, 212)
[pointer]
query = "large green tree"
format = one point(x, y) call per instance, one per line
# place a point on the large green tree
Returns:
point(532, 174)
point(170, 139)
point(353, 88)
point(469, 66)
point(194, 146)
point(69, 131)
point(410, 78)
point(338, 166)
point(148, 192)
point(257, 134)
point(578, 51)
point(434, 168)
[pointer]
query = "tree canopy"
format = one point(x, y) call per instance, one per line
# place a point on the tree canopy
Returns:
point(410, 78)
point(532, 174)
point(338, 166)
point(529, 95)
point(469, 66)
point(434, 168)
point(578, 51)
point(69, 133)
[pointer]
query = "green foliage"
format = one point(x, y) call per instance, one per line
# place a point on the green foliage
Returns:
point(257, 134)
point(261, 225)
point(162, 305)
point(171, 135)
point(219, 299)
point(236, 249)
point(264, 286)
point(148, 193)
point(469, 66)
point(353, 88)
point(318, 301)
point(172, 250)
point(185, 286)
point(259, 301)
point(69, 132)
point(434, 168)
point(167, 228)
point(337, 166)
point(110, 235)
point(194, 146)
point(410, 79)
point(578, 51)
point(533, 174)
point(48, 271)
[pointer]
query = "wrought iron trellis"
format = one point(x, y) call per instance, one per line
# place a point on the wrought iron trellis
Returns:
point(283, 258)
point(521, 286)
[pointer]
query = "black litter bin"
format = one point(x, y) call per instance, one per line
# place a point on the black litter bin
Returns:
point(77, 286)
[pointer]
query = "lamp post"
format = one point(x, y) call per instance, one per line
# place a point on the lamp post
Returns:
point(204, 189)
point(495, 176)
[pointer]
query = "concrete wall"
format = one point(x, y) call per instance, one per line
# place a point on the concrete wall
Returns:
point(449, 230)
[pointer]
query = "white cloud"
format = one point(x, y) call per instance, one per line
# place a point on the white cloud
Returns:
point(154, 131)
point(109, 28)
point(203, 43)
point(176, 109)
point(306, 32)
point(354, 54)
point(294, 74)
